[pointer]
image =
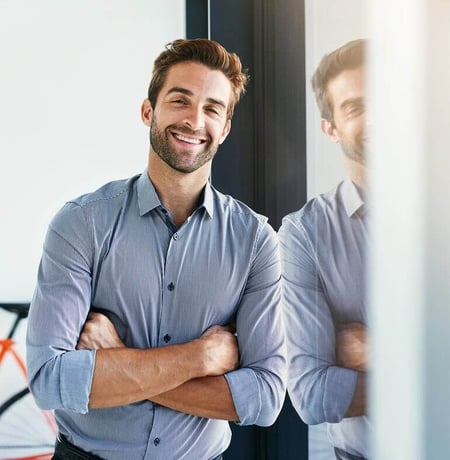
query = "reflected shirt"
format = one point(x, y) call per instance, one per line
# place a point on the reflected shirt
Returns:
point(323, 253)
point(118, 250)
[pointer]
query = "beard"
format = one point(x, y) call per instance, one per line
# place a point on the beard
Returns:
point(354, 151)
point(182, 160)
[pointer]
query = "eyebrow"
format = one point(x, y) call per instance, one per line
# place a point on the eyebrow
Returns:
point(187, 92)
point(352, 101)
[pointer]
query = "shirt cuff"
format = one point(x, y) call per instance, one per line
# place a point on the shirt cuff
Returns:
point(340, 387)
point(77, 367)
point(246, 395)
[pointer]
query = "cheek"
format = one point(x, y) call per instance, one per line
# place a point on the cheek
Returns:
point(215, 131)
point(360, 129)
point(354, 129)
point(224, 131)
point(221, 136)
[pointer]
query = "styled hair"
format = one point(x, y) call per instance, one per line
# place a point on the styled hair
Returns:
point(347, 57)
point(206, 52)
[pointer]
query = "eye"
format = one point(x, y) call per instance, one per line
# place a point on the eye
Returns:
point(354, 111)
point(179, 102)
point(214, 110)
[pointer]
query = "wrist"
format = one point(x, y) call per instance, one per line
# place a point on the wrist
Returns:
point(196, 358)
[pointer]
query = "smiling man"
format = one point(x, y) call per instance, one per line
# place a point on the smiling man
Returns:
point(323, 252)
point(187, 281)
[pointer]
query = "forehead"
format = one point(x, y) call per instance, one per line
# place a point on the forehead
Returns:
point(200, 80)
point(349, 84)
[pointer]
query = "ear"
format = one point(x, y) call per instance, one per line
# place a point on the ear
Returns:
point(146, 113)
point(329, 129)
point(226, 130)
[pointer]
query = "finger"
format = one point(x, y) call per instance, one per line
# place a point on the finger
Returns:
point(214, 330)
point(81, 345)
point(93, 315)
point(230, 327)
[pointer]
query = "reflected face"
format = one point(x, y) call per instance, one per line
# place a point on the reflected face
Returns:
point(347, 97)
point(189, 121)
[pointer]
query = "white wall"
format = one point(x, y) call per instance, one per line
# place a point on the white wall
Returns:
point(328, 25)
point(73, 76)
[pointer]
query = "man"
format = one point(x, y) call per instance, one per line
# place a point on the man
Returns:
point(174, 264)
point(323, 251)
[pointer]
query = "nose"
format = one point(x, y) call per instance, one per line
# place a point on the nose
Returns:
point(194, 118)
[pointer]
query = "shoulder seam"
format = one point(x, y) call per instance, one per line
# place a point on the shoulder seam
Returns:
point(94, 200)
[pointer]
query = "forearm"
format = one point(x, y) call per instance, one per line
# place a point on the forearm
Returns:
point(123, 375)
point(208, 397)
point(358, 405)
point(351, 352)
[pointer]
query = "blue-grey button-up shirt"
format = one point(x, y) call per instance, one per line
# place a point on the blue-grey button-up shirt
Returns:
point(116, 249)
point(323, 252)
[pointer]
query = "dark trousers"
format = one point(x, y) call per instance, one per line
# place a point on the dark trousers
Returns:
point(342, 455)
point(64, 450)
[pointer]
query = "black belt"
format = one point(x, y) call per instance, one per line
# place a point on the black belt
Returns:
point(64, 450)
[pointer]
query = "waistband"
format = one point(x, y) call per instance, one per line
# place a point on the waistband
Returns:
point(64, 450)
point(342, 455)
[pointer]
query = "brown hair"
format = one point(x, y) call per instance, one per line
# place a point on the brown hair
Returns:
point(347, 57)
point(206, 52)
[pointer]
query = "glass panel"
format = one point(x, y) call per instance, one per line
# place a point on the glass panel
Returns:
point(330, 276)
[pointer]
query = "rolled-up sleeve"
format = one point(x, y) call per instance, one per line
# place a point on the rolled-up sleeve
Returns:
point(60, 376)
point(320, 390)
point(258, 387)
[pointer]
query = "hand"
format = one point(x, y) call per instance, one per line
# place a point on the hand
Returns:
point(98, 332)
point(221, 350)
point(351, 346)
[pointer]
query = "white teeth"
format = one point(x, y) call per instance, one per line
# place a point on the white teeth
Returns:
point(189, 140)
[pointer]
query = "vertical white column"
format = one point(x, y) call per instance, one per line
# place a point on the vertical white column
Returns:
point(409, 85)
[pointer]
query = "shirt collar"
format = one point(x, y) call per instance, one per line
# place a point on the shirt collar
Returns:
point(208, 200)
point(148, 198)
point(353, 201)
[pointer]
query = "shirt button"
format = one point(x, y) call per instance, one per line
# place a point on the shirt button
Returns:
point(167, 338)
point(171, 287)
point(175, 236)
point(156, 441)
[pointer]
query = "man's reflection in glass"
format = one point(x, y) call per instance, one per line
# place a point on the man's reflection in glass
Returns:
point(323, 247)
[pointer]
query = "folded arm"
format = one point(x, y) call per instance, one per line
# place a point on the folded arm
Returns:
point(351, 352)
point(322, 389)
point(254, 392)
point(185, 386)
point(66, 378)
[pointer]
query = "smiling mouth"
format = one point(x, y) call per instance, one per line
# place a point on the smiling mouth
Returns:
point(188, 140)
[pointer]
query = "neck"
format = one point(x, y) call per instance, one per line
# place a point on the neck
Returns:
point(357, 172)
point(179, 192)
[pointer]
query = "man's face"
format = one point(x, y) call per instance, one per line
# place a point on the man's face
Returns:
point(189, 120)
point(347, 95)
